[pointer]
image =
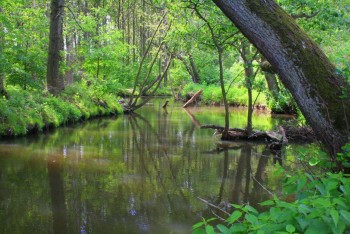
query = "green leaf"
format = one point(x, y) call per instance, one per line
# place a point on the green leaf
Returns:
point(209, 229)
point(223, 229)
point(290, 228)
point(317, 227)
point(234, 216)
point(339, 202)
point(211, 219)
point(304, 209)
point(335, 216)
point(267, 203)
point(251, 218)
point(314, 161)
point(346, 215)
point(238, 228)
point(251, 209)
point(301, 183)
point(236, 206)
point(197, 225)
point(198, 231)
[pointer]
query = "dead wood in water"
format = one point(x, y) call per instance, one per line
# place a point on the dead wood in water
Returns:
point(193, 98)
point(284, 134)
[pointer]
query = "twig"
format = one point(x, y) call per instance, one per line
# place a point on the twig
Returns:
point(212, 205)
point(75, 19)
point(251, 175)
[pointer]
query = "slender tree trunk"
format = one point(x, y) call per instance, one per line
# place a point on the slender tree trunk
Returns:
point(134, 32)
point(319, 90)
point(271, 80)
point(249, 79)
point(272, 84)
point(220, 51)
point(2, 70)
point(55, 81)
point(189, 68)
point(195, 77)
point(223, 91)
point(70, 59)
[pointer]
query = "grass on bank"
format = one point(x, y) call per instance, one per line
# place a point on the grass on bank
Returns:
point(236, 96)
point(26, 110)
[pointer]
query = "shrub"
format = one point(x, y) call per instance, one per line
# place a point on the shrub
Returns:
point(323, 206)
point(26, 110)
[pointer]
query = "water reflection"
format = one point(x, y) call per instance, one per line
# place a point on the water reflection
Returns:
point(139, 173)
point(56, 183)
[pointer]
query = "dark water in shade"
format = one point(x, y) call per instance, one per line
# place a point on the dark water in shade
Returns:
point(131, 174)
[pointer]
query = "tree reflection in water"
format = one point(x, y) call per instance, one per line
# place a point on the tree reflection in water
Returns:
point(139, 173)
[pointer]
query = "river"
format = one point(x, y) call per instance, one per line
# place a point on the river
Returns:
point(133, 174)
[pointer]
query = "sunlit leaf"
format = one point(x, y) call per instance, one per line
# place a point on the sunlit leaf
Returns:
point(314, 161)
point(209, 229)
point(234, 216)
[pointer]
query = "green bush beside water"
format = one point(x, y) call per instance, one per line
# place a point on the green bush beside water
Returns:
point(237, 96)
point(26, 110)
point(320, 204)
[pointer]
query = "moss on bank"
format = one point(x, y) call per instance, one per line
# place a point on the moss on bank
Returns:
point(26, 111)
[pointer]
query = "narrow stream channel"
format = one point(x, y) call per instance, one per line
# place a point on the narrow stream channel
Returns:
point(132, 174)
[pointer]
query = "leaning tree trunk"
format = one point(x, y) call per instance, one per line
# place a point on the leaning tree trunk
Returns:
point(302, 66)
point(55, 81)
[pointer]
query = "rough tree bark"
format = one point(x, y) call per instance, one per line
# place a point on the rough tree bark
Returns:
point(55, 81)
point(302, 66)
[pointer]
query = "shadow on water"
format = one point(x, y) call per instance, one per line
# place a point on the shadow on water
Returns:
point(140, 173)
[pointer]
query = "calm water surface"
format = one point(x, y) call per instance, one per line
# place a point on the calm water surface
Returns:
point(131, 174)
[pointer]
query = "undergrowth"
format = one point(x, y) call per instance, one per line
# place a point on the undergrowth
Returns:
point(321, 205)
point(26, 110)
point(237, 96)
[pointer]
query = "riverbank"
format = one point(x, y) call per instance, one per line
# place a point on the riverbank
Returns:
point(212, 95)
point(24, 112)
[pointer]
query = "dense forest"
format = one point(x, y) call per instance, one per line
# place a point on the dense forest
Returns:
point(70, 60)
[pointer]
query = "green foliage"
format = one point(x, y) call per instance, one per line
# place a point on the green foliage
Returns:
point(283, 103)
point(322, 205)
point(236, 96)
point(25, 111)
point(25, 44)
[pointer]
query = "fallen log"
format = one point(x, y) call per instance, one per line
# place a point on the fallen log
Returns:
point(281, 136)
point(220, 128)
point(193, 98)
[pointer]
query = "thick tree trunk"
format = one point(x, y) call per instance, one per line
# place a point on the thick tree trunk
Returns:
point(302, 66)
point(55, 81)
